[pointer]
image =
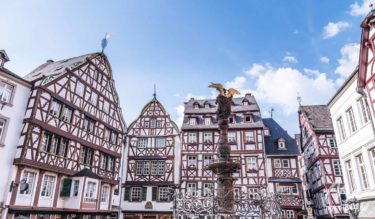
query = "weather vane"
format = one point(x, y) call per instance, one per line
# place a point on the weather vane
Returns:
point(105, 41)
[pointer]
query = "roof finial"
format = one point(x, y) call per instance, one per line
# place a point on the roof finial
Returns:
point(105, 41)
point(371, 6)
point(271, 112)
point(154, 91)
point(299, 99)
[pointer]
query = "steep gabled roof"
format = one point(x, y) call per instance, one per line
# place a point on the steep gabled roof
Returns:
point(318, 117)
point(57, 67)
point(277, 133)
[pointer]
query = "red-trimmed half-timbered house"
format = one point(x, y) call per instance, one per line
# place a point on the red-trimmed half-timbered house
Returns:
point(152, 161)
point(200, 136)
point(68, 156)
point(322, 176)
point(282, 169)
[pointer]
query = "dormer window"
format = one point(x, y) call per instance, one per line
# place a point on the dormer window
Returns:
point(207, 121)
point(248, 118)
point(192, 121)
point(207, 105)
point(245, 103)
point(196, 106)
point(231, 119)
point(281, 144)
point(266, 132)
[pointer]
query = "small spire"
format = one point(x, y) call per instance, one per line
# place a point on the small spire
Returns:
point(105, 41)
point(271, 112)
point(299, 99)
point(154, 91)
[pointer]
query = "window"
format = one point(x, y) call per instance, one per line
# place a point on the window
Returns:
point(231, 137)
point(207, 188)
point(340, 125)
point(29, 178)
point(372, 157)
point(158, 123)
point(154, 168)
point(332, 143)
point(164, 194)
point(6, 91)
point(337, 167)
point(88, 125)
point(362, 172)
point(53, 144)
point(281, 143)
point(192, 188)
point(252, 163)
point(136, 194)
point(287, 189)
point(105, 194)
point(86, 155)
point(249, 136)
point(139, 167)
point(47, 187)
point(93, 98)
point(192, 138)
point(55, 108)
point(91, 190)
point(66, 114)
point(146, 124)
point(207, 137)
point(75, 188)
point(161, 168)
point(153, 123)
point(106, 106)
point(253, 193)
point(277, 163)
point(107, 134)
point(110, 164)
point(80, 89)
point(143, 167)
point(364, 109)
point(192, 121)
point(289, 214)
point(207, 160)
point(62, 147)
point(142, 142)
point(113, 137)
point(160, 142)
point(248, 118)
point(45, 141)
point(192, 161)
point(350, 175)
point(245, 103)
point(196, 106)
point(231, 120)
point(351, 120)
point(285, 163)
point(2, 127)
point(207, 121)
point(103, 161)
point(206, 105)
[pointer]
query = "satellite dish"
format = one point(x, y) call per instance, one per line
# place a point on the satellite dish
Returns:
point(24, 186)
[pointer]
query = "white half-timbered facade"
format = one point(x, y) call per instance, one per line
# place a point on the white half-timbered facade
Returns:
point(321, 168)
point(69, 150)
point(151, 164)
point(199, 141)
point(353, 122)
point(14, 94)
point(282, 169)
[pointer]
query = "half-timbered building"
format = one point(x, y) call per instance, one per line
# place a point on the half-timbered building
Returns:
point(152, 164)
point(14, 93)
point(322, 176)
point(282, 168)
point(199, 141)
point(68, 156)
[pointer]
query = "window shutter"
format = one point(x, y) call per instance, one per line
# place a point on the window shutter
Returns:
point(144, 193)
point(65, 191)
point(154, 193)
point(127, 194)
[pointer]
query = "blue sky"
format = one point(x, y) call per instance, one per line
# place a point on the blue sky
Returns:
point(276, 49)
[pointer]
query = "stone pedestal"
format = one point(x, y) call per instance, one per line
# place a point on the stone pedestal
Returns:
point(224, 168)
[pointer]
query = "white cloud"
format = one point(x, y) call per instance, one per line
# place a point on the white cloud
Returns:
point(290, 59)
point(324, 59)
point(361, 9)
point(180, 113)
point(332, 29)
point(348, 60)
point(256, 69)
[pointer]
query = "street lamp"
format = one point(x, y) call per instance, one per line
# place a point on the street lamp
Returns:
point(353, 206)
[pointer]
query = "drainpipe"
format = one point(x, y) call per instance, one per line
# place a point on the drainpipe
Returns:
point(121, 176)
point(362, 92)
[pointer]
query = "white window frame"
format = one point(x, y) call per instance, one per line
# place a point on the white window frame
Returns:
point(364, 110)
point(91, 190)
point(48, 185)
point(340, 125)
point(160, 142)
point(80, 88)
point(337, 167)
point(6, 92)
point(192, 187)
point(192, 121)
point(164, 194)
point(207, 137)
point(277, 163)
point(192, 138)
point(232, 137)
point(142, 142)
point(94, 98)
point(136, 194)
point(252, 163)
point(75, 188)
point(349, 168)
point(283, 163)
point(29, 177)
point(105, 194)
point(207, 120)
point(332, 142)
point(207, 188)
point(362, 172)
point(207, 160)
point(351, 120)
point(192, 161)
point(249, 136)
point(106, 106)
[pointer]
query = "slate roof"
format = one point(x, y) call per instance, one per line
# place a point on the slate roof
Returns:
point(318, 117)
point(57, 67)
point(238, 109)
point(277, 132)
point(7, 71)
point(88, 173)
